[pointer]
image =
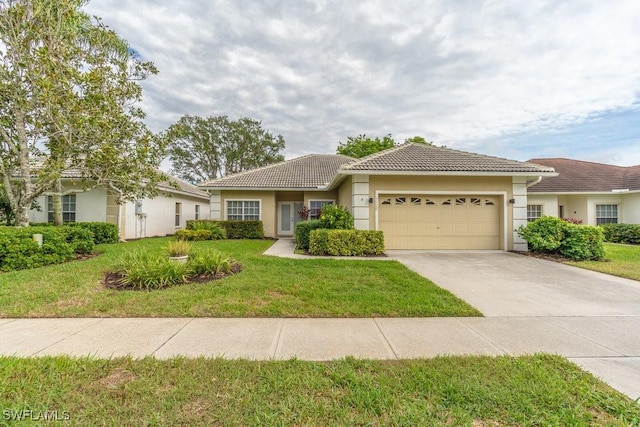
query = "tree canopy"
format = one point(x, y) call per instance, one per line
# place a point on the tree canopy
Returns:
point(203, 148)
point(70, 87)
point(417, 140)
point(361, 145)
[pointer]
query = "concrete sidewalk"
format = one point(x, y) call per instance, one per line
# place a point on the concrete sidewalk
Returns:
point(606, 346)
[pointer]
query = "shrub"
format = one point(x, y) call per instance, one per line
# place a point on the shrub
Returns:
point(103, 232)
point(336, 217)
point(202, 230)
point(81, 239)
point(346, 242)
point(583, 243)
point(554, 235)
point(209, 262)
point(235, 229)
point(193, 235)
point(303, 228)
point(148, 271)
point(544, 234)
point(19, 251)
point(622, 233)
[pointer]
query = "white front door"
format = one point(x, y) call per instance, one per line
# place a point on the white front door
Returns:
point(288, 217)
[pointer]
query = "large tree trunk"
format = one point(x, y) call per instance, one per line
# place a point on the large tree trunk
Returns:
point(22, 216)
point(57, 204)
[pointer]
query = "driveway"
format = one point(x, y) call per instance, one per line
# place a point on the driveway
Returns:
point(506, 284)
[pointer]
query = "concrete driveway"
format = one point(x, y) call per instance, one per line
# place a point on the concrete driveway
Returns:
point(506, 284)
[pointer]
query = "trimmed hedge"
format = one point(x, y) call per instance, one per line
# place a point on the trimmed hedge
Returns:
point(554, 235)
point(303, 229)
point(103, 232)
point(346, 242)
point(235, 229)
point(18, 250)
point(622, 233)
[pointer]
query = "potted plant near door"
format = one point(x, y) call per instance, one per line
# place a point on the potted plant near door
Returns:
point(178, 251)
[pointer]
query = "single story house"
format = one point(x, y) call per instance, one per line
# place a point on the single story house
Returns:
point(160, 216)
point(594, 193)
point(421, 196)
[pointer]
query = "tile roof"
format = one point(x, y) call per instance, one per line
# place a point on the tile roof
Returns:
point(178, 184)
point(414, 157)
point(580, 176)
point(311, 171)
point(183, 186)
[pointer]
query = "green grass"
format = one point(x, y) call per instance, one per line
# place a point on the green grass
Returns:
point(535, 390)
point(267, 287)
point(621, 260)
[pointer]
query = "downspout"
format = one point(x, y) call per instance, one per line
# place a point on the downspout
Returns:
point(534, 182)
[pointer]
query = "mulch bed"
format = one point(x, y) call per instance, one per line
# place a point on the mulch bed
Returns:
point(112, 279)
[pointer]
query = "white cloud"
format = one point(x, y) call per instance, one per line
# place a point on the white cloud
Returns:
point(459, 73)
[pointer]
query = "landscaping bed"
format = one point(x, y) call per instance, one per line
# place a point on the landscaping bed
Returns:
point(537, 390)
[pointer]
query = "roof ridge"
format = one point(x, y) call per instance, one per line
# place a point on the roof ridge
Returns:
point(380, 153)
point(257, 169)
point(581, 161)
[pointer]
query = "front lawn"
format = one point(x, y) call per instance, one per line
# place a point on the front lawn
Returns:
point(620, 260)
point(538, 390)
point(267, 287)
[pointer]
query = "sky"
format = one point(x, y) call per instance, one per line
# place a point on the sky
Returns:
point(517, 79)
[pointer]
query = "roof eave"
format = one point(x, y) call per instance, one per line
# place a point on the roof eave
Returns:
point(575, 193)
point(445, 173)
point(319, 188)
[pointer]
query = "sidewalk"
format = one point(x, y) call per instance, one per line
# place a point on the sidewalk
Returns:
point(605, 345)
point(610, 353)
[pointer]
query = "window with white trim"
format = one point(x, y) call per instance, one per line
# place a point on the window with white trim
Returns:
point(315, 207)
point(68, 208)
point(243, 210)
point(606, 214)
point(178, 214)
point(534, 212)
point(197, 213)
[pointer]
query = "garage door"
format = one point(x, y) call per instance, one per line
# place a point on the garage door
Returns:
point(439, 222)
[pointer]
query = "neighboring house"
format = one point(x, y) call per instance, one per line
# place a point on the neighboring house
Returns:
point(421, 196)
point(159, 216)
point(595, 193)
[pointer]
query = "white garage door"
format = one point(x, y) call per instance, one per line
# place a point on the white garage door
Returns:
point(439, 222)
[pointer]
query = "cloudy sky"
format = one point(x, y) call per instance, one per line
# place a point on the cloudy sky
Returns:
point(518, 79)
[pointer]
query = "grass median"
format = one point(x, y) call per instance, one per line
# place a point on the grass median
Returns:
point(462, 391)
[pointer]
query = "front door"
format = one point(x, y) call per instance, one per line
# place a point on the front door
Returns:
point(288, 217)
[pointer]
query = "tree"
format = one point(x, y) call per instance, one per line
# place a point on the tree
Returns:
point(417, 140)
point(69, 89)
point(206, 148)
point(361, 145)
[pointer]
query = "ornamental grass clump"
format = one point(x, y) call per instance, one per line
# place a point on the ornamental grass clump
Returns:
point(147, 271)
point(210, 263)
point(178, 248)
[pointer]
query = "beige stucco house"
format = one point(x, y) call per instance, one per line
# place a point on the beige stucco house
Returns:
point(163, 215)
point(421, 196)
point(594, 193)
